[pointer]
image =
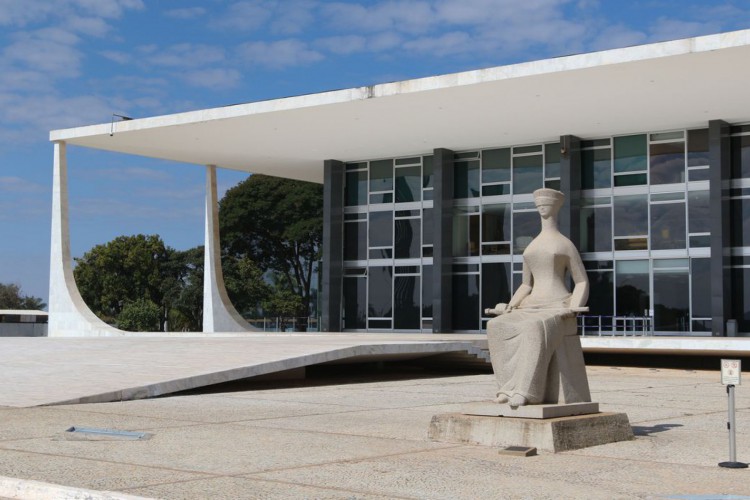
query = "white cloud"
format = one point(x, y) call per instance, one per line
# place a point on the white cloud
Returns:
point(214, 78)
point(50, 51)
point(185, 13)
point(347, 44)
point(673, 29)
point(279, 54)
point(130, 174)
point(11, 184)
point(186, 55)
point(291, 17)
point(21, 13)
point(450, 43)
point(617, 36)
point(245, 16)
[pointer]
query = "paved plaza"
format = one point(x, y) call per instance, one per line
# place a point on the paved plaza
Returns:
point(362, 433)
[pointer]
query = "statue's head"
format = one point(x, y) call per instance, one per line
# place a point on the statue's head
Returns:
point(548, 202)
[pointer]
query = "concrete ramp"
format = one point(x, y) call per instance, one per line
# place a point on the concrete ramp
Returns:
point(50, 371)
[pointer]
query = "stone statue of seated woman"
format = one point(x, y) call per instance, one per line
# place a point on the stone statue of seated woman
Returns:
point(534, 346)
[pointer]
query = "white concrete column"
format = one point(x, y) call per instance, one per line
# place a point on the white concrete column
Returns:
point(219, 315)
point(69, 316)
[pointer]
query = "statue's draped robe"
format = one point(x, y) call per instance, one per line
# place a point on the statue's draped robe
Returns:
point(523, 342)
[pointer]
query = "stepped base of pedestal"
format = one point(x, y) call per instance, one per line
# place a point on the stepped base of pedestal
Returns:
point(491, 409)
point(549, 435)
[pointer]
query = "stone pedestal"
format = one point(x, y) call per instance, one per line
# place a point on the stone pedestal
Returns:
point(546, 434)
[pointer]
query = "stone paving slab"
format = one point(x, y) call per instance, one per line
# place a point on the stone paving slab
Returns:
point(45, 371)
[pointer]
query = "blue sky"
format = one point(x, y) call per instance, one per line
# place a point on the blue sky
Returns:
point(65, 63)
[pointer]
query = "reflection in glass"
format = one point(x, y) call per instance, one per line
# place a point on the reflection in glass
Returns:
point(596, 168)
point(632, 293)
point(381, 198)
point(496, 165)
point(496, 190)
point(406, 303)
point(408, 184)
point(465, 235)
point(427, 172)
point(466, 302)
point(495, 284)
point(631, 244)
point(380, 298)
point(699, 174)
point(699, 213)
point(355, 298)
point(381, 175)
point(496, 222)
point(700, 272)
point(596, 229)
point(740, 156)
point(552, 160)
point(667, 163)
point(741, 298)
point(601, 293)
point(526, 225)
point(527, 174)
point(630, 153)
point(667, 226)
point(426, 291)
point(355, 240)
point(740, 217)
point(630, 180)
point(698, 147)
point(427, 224)
point(355, 192)
point(671, 301)
point(407, 238)
point(631, 215)
point(466, 179)
point(381, 229)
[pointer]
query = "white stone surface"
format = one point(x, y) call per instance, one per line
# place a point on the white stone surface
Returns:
point(284, 137)
point(219, 315)
point(533, 342)
point(24, 489)
point(69, 316)
point(491, 409)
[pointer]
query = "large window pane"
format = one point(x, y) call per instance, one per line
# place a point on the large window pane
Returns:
point(741, 156)
point(700, 271)
point(699, 213)
point(466, 302)
point(596, 229)
point(427, 177)
point(465, 235)
point(526, 226)
point(408, 184)
point(496, 284)
point(667, 226)
point(671, 301)
point(631, 215)
point(630, 153)
point(601, 293)
point(632, 293)
point(740, 216)
point(427, 225)
point(407, 238)
point(380, 299)
point(552, 160)
point(596, 168)
point(355, 300)
point(668, 163)
point(381, 229)
point(355, 192)
point(496, 222)
point(496, 165)
point(355, 240)
point(697, 147)
point(381, 175)
point(741, 298)
point(406, 292)
point(466, 179)
point(426, 291)
point(527, 174)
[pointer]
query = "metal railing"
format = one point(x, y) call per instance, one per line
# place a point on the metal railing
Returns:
point(633, 326)
point(281, 324)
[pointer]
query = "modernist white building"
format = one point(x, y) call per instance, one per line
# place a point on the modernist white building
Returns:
point(428, 187)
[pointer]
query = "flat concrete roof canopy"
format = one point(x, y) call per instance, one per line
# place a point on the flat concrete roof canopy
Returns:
point(659, 86)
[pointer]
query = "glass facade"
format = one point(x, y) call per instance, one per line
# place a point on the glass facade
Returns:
point(644, 225)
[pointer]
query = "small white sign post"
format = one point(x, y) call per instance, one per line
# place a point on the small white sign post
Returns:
point(731, 374)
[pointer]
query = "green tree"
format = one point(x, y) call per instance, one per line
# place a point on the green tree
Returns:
point(124, 270)
point(12, 298)
point(278, 224)
point(245, 285)
point(182, 288)
point(141, 315)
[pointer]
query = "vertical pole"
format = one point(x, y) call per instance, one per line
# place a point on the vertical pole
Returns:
point(442, 255)
point(333, 246)
point(720, 176)
point(732, 432)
